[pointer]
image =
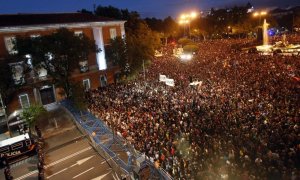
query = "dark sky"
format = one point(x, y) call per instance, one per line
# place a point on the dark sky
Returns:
point(146, 8)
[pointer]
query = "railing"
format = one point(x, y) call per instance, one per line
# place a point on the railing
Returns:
point(95, 129)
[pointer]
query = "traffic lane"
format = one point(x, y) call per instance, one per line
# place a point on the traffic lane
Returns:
point(87, 165)
point(59, 156)
point(24, 166)
point(65, 151)
point(27, 166)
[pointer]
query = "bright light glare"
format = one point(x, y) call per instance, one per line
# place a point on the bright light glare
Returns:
point(183, 16)
point(263, 13)
point(193, 14)
point(183, 21)
point(186, 56)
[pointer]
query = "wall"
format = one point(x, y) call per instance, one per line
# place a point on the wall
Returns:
point(93, 74)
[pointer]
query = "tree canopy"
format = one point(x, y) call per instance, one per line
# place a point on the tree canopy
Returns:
point(32, 114)
point(138, 46)
point(59, 53)
point(112, 12)
point(117, 52)
point(6, 80)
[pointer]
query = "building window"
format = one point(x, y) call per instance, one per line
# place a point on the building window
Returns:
point(103, 81)
point(9, 44)
point(86, 84)
point(78, 33)
point(18, 73)
point(42, 73)
point(84, 67)
point(17, 146)
point(24, 101)
point(113, 33)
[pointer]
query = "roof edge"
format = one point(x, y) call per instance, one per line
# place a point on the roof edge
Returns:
point(60, 25)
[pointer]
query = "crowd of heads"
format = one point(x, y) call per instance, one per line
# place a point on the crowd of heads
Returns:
point(241, 122)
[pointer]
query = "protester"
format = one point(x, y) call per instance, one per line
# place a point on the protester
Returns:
point(241, 122)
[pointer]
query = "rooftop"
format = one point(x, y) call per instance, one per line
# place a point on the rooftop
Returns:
point(8, 20)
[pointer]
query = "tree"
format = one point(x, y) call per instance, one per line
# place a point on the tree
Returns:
point(139, 45)
point(154, 24)
point(59, 53)
point(32, 114)
point(78, 97)
point(217, 21)
point(117, 52)
point(184, 41)
point(296, 20)
point(191, 48)
point(111, 12)
point(170, 28)
point(85, 11)
point(6, 80)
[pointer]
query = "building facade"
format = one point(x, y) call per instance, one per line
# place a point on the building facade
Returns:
point(94, 72)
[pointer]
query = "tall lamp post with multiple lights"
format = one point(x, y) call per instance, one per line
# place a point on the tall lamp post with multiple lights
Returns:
point(262, 36)
point(259, 15)
point(185, 19)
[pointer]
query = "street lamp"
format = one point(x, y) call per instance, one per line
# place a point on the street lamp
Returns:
point(228, 29)
point(186, 18)
point(261, 35)
point(260, 14)
point(183, 22)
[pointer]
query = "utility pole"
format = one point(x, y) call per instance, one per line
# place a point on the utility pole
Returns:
point(144, 69)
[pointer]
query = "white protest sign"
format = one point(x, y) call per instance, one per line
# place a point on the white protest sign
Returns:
point(162, 78)
point(170, 82)
point(195, 83)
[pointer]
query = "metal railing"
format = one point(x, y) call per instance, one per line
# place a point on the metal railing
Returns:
point(94, 128)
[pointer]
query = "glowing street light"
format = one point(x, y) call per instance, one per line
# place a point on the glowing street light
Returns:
point(193, 15)
point(263, 13)
point(183, 16)
point(260, 14)
point(183, 21)
point(186, 18)
point(264, 26)
point(228, 29)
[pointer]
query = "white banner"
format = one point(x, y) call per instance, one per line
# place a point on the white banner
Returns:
point(196, 83)
point(170, 82)
point(162, 78)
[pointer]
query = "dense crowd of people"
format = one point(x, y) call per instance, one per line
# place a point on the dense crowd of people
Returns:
point(241, 122)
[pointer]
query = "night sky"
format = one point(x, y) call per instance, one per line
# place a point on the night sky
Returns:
point(146, 8)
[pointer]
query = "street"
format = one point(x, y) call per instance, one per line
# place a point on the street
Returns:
point(72, 158)
point(81, 162)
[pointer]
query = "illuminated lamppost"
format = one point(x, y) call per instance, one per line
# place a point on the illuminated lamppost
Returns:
point(260, 14)
point(228, 29)
point(185, 19)
point(262, 32)
point(184, 23)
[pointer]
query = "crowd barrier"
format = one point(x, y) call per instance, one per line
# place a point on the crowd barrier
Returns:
point(91, 126)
